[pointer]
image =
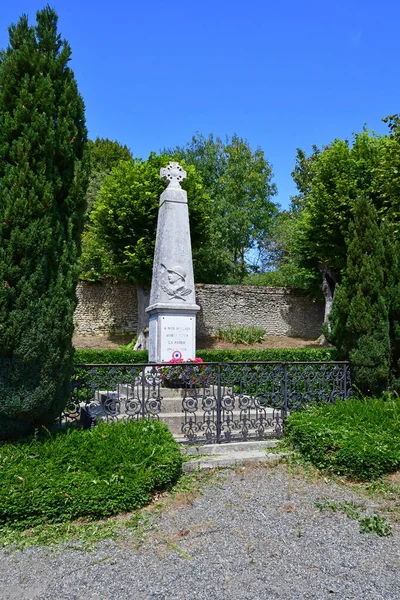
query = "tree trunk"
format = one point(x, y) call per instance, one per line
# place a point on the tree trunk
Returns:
point(143, 319)
point(329, 281)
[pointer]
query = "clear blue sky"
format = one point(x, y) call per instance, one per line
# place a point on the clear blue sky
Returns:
point(282, 74)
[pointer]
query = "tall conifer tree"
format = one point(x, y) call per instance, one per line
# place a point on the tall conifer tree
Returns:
point(360, 312)
point(392, 295)
point(43, 179)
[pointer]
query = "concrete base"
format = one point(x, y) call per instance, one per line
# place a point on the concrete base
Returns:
point(215, 456)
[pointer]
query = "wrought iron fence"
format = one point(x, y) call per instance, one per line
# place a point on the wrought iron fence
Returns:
point(209, 402)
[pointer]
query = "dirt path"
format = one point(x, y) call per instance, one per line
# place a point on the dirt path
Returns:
point(114, 342)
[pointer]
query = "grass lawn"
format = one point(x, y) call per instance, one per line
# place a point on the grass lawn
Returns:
point(358, 438)
point(85, 474)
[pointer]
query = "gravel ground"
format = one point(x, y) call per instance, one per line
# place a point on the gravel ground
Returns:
point(252, 534)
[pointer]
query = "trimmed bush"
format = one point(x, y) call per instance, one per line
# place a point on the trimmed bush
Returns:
point(124, 356)
point(269, 354)
point(359, 438)
point(110, 357)
point(85, 473)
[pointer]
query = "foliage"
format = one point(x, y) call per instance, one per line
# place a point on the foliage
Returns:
point(287, 275)
point(359, 438)
point(85, 534)
point(375, 524)
point(96, 260)
point(86, 473)
point(121, 356)
point(105, 154)
point(239, 183)
point(330, 184)
point(388, 172)
point(360, 315)
point(43, 179)
point(391, 261)
point(125, 216)
point(241, 334)
point(268, 354)
point(131, 345)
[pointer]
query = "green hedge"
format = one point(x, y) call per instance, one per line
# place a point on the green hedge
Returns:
point(270, 354)
point(85, 473)
point(111, 357)
point(356, 438)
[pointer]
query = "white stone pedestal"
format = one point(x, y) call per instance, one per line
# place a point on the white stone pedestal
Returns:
point(172, 335)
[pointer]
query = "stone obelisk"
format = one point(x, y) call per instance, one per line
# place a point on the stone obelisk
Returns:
point(172, 309)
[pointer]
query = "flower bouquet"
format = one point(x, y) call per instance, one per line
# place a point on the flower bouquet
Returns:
point(178, 373)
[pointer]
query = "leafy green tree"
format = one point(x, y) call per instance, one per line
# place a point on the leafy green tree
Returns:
point(388, 172)
point(96, 260)
point(43, 179)
point(126, 213)
point(329, 183)
point(360, 314)
point(104, 154)
point(277, 264)
point(302, 176)
point(239, 183)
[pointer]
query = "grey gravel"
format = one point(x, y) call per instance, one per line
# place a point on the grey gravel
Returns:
point(253, 534)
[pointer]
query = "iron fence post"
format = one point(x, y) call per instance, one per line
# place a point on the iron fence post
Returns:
point(219, 396)
point(345, 381)
point(284, 406)
point(143, 390)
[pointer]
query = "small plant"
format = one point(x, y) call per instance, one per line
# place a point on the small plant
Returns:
point(241, 335)
point(375, 524)
point(351, 509)
point(131, 346)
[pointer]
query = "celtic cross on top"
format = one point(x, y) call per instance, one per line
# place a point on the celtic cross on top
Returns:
point(173, 173)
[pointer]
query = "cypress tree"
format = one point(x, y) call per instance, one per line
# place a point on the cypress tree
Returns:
point(392, 294)
point(360, 312)
point(43, 180)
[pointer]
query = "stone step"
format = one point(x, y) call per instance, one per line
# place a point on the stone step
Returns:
point(125, 390)
point(172, 405)
point(230, 459)
point(259, 445)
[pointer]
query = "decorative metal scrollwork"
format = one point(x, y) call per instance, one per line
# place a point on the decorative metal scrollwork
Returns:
point(190, 404)
point(220, 402)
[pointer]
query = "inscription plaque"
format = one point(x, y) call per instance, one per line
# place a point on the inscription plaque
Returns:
point(177, 337)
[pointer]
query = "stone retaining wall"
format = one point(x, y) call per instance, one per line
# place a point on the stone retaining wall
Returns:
point(280, 311)
point(106, 307)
